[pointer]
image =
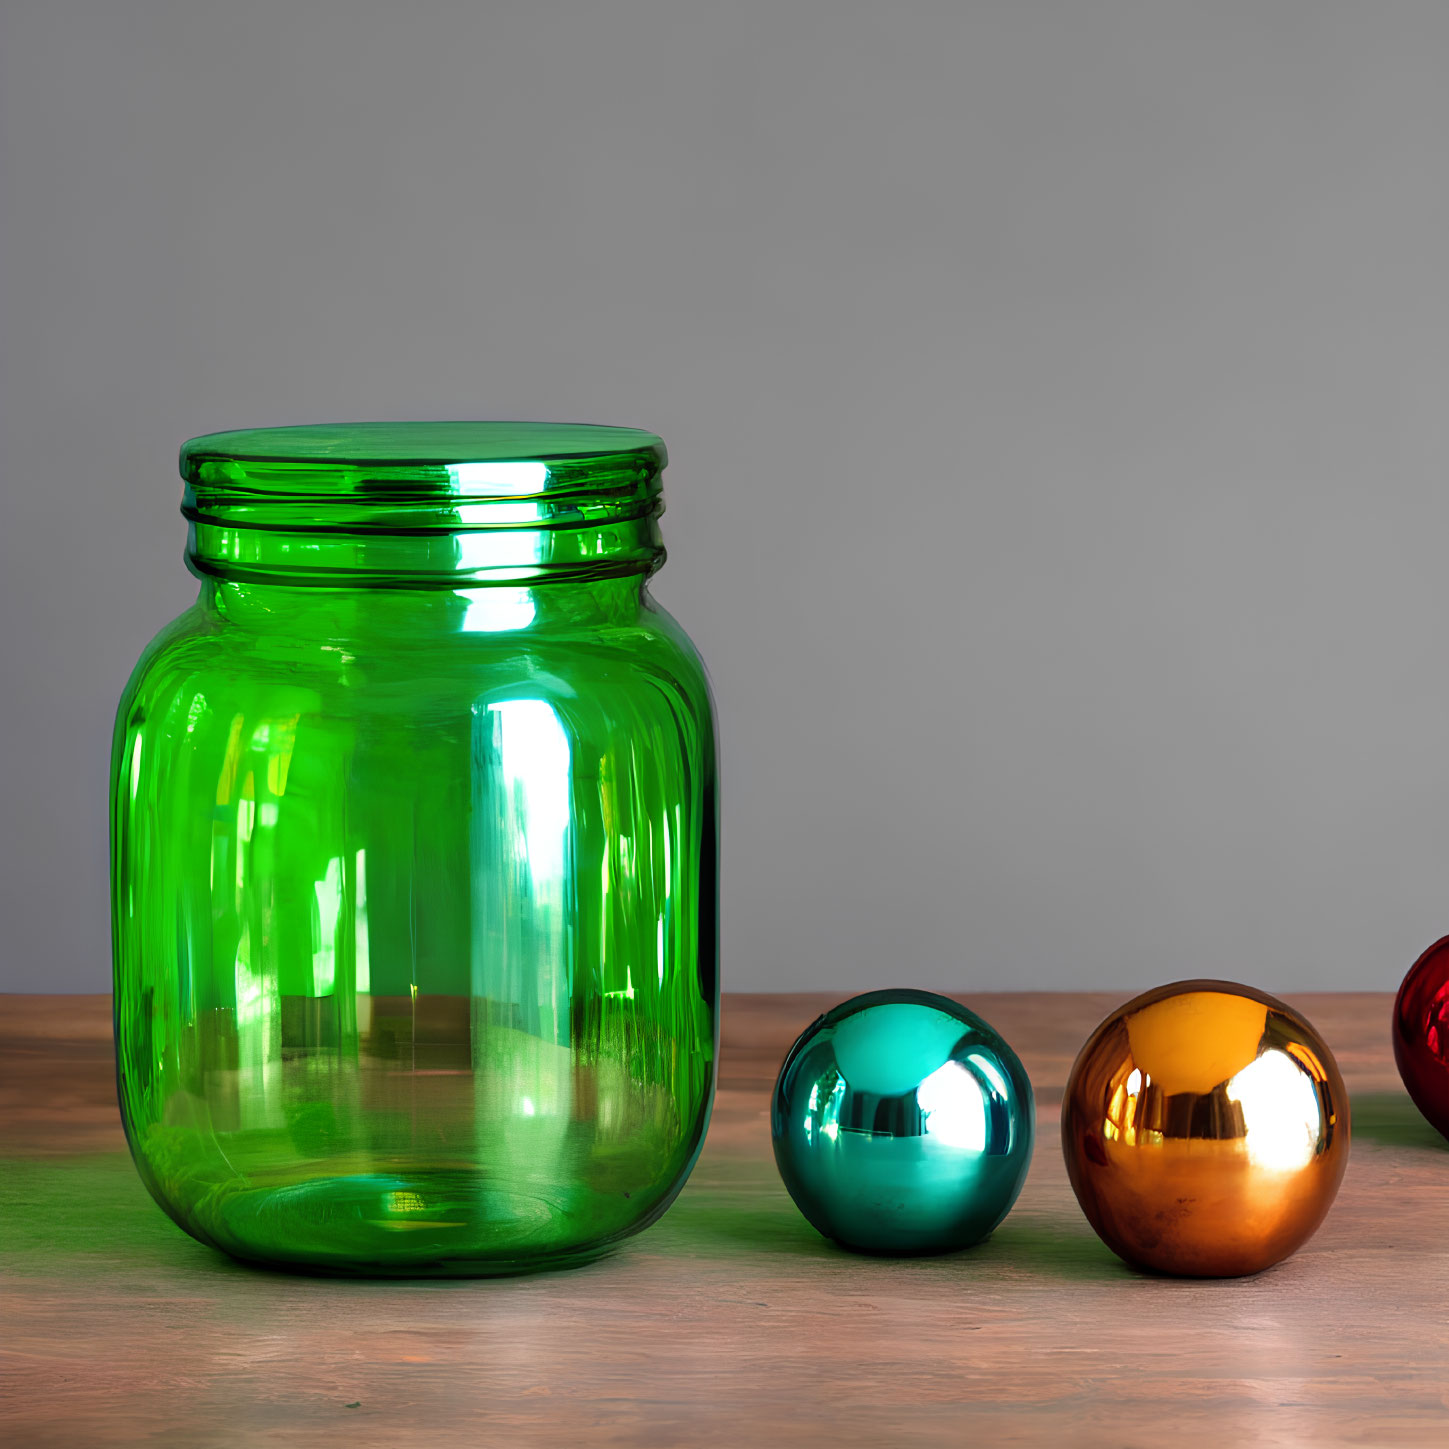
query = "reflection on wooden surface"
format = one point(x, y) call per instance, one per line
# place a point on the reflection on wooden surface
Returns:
point(731, 1322)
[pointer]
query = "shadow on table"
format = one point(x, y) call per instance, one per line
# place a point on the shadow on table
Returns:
point(699, 1227)
point(704, 1223)
point(1050, 1251)
point(1390, 1119)
point(89, 1218)
point(79, 1220)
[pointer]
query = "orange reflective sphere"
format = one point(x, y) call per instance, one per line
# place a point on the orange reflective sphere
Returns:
point(1205, 1127)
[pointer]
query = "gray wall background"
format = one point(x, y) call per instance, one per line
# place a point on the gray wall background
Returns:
point(1056, 392)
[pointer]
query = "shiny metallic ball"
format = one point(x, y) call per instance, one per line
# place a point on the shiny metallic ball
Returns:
point(1206, 1128)
point(902, 1124)
point(1421, 1033)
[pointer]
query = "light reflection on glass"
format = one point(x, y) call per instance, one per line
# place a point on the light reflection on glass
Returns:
point(993, 1073)
point(136, 767)
point(507, 555)
point(953, 1107)
point(495, 515)
point(830, 1113)
point(522, 942)
point(361, 953)
point(328, 891)
point(492, 610)
point(502, 478)
point(1280, 1110)
point(1130, 1109)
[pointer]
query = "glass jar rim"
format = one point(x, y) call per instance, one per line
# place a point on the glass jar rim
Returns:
point(441, 504)
point(428, 461)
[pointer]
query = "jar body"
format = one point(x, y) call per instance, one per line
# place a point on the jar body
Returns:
point(415, 922)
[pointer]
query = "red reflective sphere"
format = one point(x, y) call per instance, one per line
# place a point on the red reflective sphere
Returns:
point(1421, 1033)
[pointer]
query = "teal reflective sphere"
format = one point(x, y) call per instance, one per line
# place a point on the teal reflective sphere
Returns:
point(903, 1124)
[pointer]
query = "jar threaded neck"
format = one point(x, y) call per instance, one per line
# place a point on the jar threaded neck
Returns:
point(419, 505)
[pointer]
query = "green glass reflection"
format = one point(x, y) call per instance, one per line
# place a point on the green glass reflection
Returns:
point(414, 843)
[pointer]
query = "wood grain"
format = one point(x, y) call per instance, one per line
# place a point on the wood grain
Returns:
point(730, 1323)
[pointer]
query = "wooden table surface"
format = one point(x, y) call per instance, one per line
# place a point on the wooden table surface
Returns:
point(731, 1322)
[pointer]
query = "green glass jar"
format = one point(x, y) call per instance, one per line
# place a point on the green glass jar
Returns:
point(414, 842)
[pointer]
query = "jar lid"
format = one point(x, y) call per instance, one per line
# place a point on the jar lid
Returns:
point(401, 461)
point(427, 504)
